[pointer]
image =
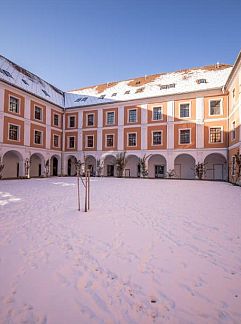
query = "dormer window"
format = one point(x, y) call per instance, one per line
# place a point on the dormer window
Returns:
point(127, 92)
point(114, 94)
point(199, 81)
point(25, 82)
point(167, 86)
point(102, 97)
point(140, 90)
point(46, 93)
point(5, 72)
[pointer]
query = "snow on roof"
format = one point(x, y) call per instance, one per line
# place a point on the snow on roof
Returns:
point(23, 79)
point(157, 85)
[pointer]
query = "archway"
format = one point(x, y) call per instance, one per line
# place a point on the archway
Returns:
point(54, 165)
point(184, 166)
point(13, 165)
point(216, 167)
point(132, 168)
point(109, 166)
point(71, 170)
point(36, 165)
point(157, 166)
point(90, 163)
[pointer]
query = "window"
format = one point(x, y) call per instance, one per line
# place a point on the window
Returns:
point(184, 110)
point(90, 141)
point(37, 113)
point(140, 90)
point(233, 133)
point(215, 135)
point(215, 107)
point(110, 140)
point(6, 73)
point(25, 82)
point(185, 136)
point(233, 92)
point(46, 93)
point(156, 138)
point(127, 92)
point(132, 139)
point(90, 120)
point(102, 97)
point(37, 137)
point(199, 81)
point(71, 142)
point(132, 116)
point(14, 105)
point(157, 113)
point(72, 121)
point(13, 132)
point(167, 86)
point(56, 141)
point(233, 165)
point(114, 94)
point(56, 120)
point(110, 117)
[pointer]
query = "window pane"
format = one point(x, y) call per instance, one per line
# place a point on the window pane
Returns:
point(110, 118)
point(157, 113)
point(90, 120)
point(56, 120)
point(132, 139)
point(215, 107)
point(90, 141)
point(56, 140)
point(38, 113)
point(132, 116)
point(215, 135)
point(157, 138)
point(109, 140)
point(71, 142)
point(184, 110)
point(14, 105)
point(37, 137)
point(185, 136)
point(72, 121)
point(13, 132)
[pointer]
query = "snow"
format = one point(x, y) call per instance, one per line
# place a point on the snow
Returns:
point(147, 251)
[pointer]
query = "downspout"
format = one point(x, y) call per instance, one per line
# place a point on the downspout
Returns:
point(63, 133)
point(223, 91)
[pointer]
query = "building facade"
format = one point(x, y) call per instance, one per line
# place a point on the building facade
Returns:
point(174, 119)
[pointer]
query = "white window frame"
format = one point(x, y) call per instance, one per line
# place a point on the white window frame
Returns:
point(233, 131)
point(157, 131)
point(42, 113)
point(69, 121)
point(19, 130)
point(41, 142)
point(128, 139)
point(106, 117)
point(88, 114)
point(132, 122)
point(179, 136)
point(156, 120)
point(19, 104)
point(221, 107)
point(179, 108)
point(68, 146)
point(106, 146)
point(86, 141)
point(209, 135)
point(58, 140)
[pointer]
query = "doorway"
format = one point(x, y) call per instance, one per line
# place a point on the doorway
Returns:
point(159, 171)
point(110, 170)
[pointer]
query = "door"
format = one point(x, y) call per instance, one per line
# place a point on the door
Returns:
point(55, 166)
point(218, 171)
point(69, 167)
point(39, 170)
point(110, 170)
point(159, 171)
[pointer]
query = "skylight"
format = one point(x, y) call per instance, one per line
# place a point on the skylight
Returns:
point(138, 82)
point(114, 94)
point(102, 97)
point(201, 81)
point(6, 73)
point(84, 98)
point(167, 86)
point(78, 100)
point(46, 93)
point(140, 90)
point(127, 92)
point(25, 82)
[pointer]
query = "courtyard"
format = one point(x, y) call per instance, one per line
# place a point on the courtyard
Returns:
point(148, 251)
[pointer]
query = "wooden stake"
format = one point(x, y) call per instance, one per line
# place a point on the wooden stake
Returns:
point(78, 194)
point(88, 189)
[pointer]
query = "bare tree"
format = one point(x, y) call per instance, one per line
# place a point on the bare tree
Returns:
point(200, 170)
point(238, 167)
point(120, 164)
point(46, 165)
point(99, 167)
point(171, 173)
point(27, 164)
point(1, 167)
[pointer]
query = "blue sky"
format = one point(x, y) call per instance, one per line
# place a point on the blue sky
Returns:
point(76, 43)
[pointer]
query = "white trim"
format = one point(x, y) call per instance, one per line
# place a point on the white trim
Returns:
point(209, 128)
point(106, 140)
point(156, 131)
point(189, 110)
point(106, 117)
point(157, 120)
point(127, 144)
point(68, 147)
point(88, 114)
point(19, 129)
point(19, 104)
point(41, 139)
point(221, 106)
point(86, 141)
point(179, 131)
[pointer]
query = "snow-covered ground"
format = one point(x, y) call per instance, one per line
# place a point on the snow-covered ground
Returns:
point(148, 251)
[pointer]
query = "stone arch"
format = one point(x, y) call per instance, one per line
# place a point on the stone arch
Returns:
point(132, 168)
point(216, 167)
point(71, 170)
point(13, 165)
point(109, 165)
point(157, 166)
point(55, 165)
point(36, 165)
point(90, 162)
point(184, 166)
